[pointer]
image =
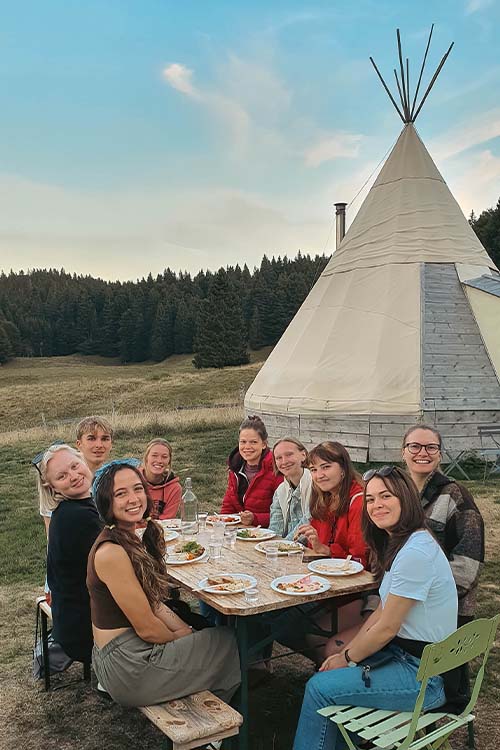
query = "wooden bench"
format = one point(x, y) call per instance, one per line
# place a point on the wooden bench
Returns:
point(492, 452)
point(45, 615)
point(195, 720)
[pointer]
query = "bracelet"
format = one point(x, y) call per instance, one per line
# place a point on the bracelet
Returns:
point(349, 661)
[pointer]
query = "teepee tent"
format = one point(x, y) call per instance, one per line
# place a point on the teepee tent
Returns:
point(402, 325)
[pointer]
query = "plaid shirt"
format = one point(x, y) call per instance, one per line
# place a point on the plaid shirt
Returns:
point(455, 520)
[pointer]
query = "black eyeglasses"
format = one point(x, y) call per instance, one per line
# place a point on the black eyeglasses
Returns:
point(382, 472)
point(431, 448)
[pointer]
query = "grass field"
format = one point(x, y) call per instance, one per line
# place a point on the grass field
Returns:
point(66, 389)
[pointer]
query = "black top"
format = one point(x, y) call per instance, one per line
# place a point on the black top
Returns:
point(74, 527)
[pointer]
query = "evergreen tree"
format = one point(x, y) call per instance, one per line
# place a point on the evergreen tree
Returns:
point(487, 228)
point(6, 350)
point(219, 341)
point(162, 335)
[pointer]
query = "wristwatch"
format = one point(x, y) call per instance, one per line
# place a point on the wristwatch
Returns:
point(350, 662)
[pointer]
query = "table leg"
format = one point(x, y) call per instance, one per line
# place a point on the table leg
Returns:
point(242, 639)
point(45, 649)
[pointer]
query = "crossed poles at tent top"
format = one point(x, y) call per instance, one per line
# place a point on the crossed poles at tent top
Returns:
point(409, 112)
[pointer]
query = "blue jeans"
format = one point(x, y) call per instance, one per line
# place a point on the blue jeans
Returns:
point(393, 687)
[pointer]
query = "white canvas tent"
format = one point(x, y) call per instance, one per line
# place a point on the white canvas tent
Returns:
point(402, 326)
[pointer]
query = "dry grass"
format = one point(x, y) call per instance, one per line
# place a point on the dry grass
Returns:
point(141, 401)
point(34, 392)
point(132, 424)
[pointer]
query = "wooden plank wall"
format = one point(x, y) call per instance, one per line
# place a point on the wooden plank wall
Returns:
point(457, 374)
point(378, 437)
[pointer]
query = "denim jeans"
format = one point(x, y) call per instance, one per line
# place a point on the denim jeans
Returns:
point(393, 687)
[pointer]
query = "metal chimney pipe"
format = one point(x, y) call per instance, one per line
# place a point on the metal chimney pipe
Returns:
point(340, 223)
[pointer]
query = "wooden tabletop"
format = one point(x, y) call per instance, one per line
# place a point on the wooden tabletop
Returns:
point(246, 559)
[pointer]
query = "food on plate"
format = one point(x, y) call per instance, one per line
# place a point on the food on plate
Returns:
point(224, 519)
point(289, 547)
point(340, 566)
point(187, 551)
point(251, 533)
point(303, 585)
point(227, 583)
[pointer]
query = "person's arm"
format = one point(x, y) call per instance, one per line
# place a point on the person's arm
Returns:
point(231, 502)
point(114, 568)
point(464, 540)
point(173, 621)
point(380, 628)
point(313, 540)
point(172, 502)
point(352, 542)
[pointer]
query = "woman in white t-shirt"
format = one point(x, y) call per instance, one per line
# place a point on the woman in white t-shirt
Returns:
point(418, 606)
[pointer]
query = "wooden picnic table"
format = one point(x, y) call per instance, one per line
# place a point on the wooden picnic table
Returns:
point(244, 558)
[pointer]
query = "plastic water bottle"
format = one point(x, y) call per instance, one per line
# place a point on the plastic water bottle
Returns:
point(189, 508)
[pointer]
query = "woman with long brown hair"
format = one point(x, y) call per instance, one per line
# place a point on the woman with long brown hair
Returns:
point(336, 503)
point(378, 669)
point(144, 653)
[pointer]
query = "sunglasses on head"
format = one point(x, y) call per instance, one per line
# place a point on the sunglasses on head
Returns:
point(36, 460)
point(384, 471)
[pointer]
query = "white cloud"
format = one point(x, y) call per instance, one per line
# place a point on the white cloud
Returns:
point(180, 78)
point(480, 128)
point(473, 6)
point(475, 182)
point(331, 147)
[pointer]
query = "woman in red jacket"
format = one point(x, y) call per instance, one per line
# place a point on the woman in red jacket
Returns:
point(251, 482)
point(163, 486)
point(334, 529)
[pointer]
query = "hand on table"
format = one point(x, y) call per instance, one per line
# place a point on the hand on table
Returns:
point(313, 540)
point(247, 518)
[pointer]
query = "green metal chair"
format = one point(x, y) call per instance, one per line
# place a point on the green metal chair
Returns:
point(416, 730)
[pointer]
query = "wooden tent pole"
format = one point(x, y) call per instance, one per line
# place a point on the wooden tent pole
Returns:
point(421, 73)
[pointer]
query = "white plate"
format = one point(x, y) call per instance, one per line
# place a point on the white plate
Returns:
point(170, 523)
point(170, 535)
point(296, 577)
point(264, 546)
point(219, 516)
point(249, 582)
point(331, 566)
point(260, 535)
point(174, 561)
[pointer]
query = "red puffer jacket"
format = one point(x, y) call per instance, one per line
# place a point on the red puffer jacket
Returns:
point(256, 496)
point(343, 535)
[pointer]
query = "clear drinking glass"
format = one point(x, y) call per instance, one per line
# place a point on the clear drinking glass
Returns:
point(219, 527)
point(295, 561)
point(202, 522)
point(251, 595)
point(272, 557)
point(215, 551)
point(230, 538)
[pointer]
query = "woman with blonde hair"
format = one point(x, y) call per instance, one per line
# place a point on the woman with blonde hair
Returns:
point(163, 486)
point(290, 506)
point(64, 481)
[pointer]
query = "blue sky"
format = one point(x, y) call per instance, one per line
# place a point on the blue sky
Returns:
point(195, 134)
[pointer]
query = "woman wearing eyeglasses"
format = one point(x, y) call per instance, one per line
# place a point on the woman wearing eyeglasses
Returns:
point(450, 511)
point(418, 605)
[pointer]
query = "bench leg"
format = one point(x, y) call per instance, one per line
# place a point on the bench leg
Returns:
point(45, 649)
point(86, 671)
point(471, 742)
